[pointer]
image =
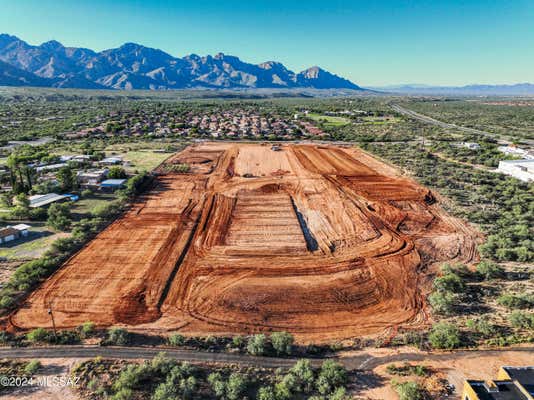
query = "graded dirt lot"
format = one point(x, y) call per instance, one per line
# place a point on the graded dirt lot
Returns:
point(322, 241)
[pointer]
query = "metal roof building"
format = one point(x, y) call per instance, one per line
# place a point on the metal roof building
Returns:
point(40, 200)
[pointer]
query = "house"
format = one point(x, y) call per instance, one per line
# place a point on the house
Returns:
point(520, 169)
point(512, 383)
point(111, 161)
point(51, 167)
point(112, 184)
point(76, 158)
point(10, 233)
point(43, 200)
point(91, 179)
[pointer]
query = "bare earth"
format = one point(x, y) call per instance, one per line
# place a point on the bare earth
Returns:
point(321, 241)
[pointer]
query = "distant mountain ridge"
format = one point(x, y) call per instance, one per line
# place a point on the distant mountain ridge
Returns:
point(133, 66)
point(519, 89)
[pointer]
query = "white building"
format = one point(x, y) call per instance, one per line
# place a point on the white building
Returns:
point(516, 151)
point(470, 145)
point(10, 233)
point(520, 169)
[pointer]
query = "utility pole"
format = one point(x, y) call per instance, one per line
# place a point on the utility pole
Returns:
point(50, 312)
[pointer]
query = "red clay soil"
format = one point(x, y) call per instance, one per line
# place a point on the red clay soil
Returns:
point(321, 241)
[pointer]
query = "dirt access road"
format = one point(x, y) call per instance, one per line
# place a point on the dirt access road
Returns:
point(365, 360)
point(323, 241)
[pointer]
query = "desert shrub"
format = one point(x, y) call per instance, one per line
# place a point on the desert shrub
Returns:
point(444, 336)
point(407, 369)
point(442, 303)
point(521, 319)
point(59, 217)
point(238, 341)
point(117, 336)
point(409, 391)
point(282, 342)
point(304, 376)
point(5, 337)
point(179, 383)
point(217, 383)
point(107, 210)
point(236, 386)
point(87, 329)
point(266, 393)
point(38, 335)
point(117, 173)
point(176, 340)
point(65, 337)
point(6, 302)
point(489, 270)
point(123, 394)
point(138, 184)
point(256, 344)
point(481, 325)
point(32, 367)
point(513, 301)
point(449, 282)
point(331, 376)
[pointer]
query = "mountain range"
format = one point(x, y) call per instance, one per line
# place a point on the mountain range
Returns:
point(133, 66)
point(519, 89)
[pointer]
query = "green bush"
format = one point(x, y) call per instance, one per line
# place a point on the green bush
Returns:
point(38, 335)
point(410, 391)
point(449, 282)
point(238, 341)
point(107, 210)
point(407, 369)
point(513, 301)
point(444, 336)
point(217, 384)
point(59, 217)
point(6, 302)
point(521, 319)
point(304, 376)
point(32, 367)
point(236, 386)
point(266, 393)
point(87, 329)
point(117, 173)
point(282, 342)
point(176, 340)
point(117, 337)
point(442, 303)
point(256, 344)
point(331, 376)
point(489, 270)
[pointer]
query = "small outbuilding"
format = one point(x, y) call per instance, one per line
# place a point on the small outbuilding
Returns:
point(112, 184)
point(10, 233)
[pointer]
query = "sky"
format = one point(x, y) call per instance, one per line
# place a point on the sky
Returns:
point(371, 42)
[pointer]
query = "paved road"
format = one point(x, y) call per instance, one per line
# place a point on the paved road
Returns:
point(360, 360)
point(430, 120)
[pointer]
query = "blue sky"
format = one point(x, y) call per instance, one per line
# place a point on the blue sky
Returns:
point(372, 42)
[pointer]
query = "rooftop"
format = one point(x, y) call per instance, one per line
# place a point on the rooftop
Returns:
point(503, 390)
point(113, 182)
point(40, 200)
point(7, 231)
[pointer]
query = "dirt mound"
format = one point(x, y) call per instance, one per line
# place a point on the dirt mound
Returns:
point(332, 248)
